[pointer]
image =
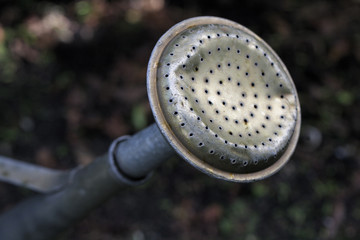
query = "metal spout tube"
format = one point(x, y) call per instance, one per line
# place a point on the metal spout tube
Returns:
point(45, 215)
point(129, 162)
point(145, 151)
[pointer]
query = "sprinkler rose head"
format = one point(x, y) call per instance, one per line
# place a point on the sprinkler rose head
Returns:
point(223, 99)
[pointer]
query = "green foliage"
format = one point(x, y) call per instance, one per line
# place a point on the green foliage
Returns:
point(138, 117)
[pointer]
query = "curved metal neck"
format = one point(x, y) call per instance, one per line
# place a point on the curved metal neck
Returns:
point(31, 176)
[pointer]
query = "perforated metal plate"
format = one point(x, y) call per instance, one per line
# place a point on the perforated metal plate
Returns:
point(223, 99)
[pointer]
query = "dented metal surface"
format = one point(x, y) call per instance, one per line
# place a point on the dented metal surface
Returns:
point(223, 99)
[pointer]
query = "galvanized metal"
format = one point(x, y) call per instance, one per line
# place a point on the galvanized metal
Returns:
point(44, 216)
point(130, 161)
point(142, 153)
point(34, 177)
point(223, 99)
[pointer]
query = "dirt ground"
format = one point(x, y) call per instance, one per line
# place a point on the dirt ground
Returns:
point(73, 77)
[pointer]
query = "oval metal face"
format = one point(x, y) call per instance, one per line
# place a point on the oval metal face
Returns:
point(223, 99)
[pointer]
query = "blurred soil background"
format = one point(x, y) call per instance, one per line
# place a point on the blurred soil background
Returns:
point(73, 77)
